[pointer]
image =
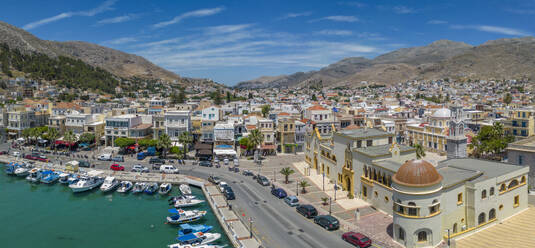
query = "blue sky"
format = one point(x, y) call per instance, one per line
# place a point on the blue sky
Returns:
point(232, 41)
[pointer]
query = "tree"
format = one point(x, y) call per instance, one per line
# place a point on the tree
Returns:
point(420, 151)
point(52, 135)
point(491, 141)
point(228, 96)
point(250, 96)
point(185, 139)
point(255, 138)
point(287, 172)
point(123, 142)
point(26, 133)
point(324, 200)
point(216, 97)
point(303, 185)
point(164, 143)
point(69, 137)
point(314, 98)
point(508, 99)
point(175, 150)
point(88, 138)
point(265, 110)
point(147, 143)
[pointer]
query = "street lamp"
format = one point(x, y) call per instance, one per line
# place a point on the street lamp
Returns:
point(323, 181)
point(335, 188)
point(251, 227)
point(330, 204)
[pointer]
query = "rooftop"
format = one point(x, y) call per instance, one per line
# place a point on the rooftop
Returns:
point(381, 149)
point(364, 133)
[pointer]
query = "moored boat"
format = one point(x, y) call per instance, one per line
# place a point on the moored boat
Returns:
point(183, 216)
point(34, 176)
point(198, 238)
point(165, 188)
point(184, 189)
point(151, 188)
point(178, 245)
point(49, 176)
point(182, 202)
point(109, 184)
point(10, 168)
point(187, 229)
point(139, 187)
point(125, 186)
point(64, 178)
point(89, 182)
point(23, 170)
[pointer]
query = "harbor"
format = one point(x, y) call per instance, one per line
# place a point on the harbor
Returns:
point(218, 214)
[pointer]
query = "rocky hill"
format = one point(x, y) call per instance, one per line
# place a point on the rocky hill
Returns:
point(116, 62)
point(500, 59)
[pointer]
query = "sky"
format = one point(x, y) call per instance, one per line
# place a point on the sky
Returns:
point(233, 41)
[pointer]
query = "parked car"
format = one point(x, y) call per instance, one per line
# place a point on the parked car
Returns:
point(291, 200)
point(3, 153)
point(156, 161)
point(357, 239)
point(141, 155)
point(247, 173)
point(216, 160)
point(42, 158)
point(139, 168)
point(104, 157)
point(222, 186)
point(83, 163)
point(307, 210)
point(327, 221)
point(214, 179)
point(205, 163)
point(225, 161)
point(16, 154)
point(118, 159)
point(278, 192)
point(116, 167)
point(168, 169)
point(236, 162)
point(262, 180)
point(229, 193)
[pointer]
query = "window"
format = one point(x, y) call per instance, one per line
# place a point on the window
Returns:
point(386, 199)
point(375, 194)
point(484, 194)
point(492, 214)
point(359, 143)
point(422, 236)
point(523, 180)
point(434, 207)
point(459, 198)
point(401, 234)
point(369, 142)
point(513, 184)
point(516, 201)
point(502, 187)
point(455, 228)
point(481, 218)
point(491, 191)
point(500, 207)
point(389, 140)
point(413, 211)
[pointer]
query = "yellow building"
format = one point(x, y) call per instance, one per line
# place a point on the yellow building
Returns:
point(521, 123)
point(431, 134)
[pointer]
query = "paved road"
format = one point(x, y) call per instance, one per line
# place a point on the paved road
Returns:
point(275, 223)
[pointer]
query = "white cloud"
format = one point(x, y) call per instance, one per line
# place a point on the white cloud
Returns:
point(335, 32)
point(295, 15)
point(227, 28)
point(105, 6)
point(437, 22)
point(118, 19)
point(403, 10)
point(338, 19)
point(493, 29)
point(195, 13)
point(120, 41)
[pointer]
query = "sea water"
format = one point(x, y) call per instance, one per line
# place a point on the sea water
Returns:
point(40, 215)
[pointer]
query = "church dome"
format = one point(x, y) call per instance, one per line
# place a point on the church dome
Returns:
point(442, 113)
point(417, 173)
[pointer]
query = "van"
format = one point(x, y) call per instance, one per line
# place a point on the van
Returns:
point(104, 157)
point(72, 166)
point(168, 169)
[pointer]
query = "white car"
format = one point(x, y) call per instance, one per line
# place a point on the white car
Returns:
point(222, 186)
point(236, 162)
point(225, 161)
point(168, 169)
point(104, 157)
point(16, 154)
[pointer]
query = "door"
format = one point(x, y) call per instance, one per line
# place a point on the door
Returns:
point(364, 192)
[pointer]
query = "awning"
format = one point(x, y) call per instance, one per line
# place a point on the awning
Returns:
point(61, 142)
point(223, 147)
point(268, 147)
point(224, 152)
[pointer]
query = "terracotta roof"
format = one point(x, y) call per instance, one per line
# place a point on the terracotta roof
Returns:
point(317, 107)
point(283, 113)
point(417, 173)
point(250, 127)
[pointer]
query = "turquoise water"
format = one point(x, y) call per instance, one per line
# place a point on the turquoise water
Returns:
point(52, 216)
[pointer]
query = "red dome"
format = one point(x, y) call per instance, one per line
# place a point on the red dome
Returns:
point(417, 173)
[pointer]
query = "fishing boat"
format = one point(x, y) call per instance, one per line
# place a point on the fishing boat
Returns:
point(11, 167)
point(183, 216)
point(182, 202)
point(178, 245)
point(49, 176)
point(198, 238)
point(139, 187)
point(109, 184)
point(165, 188)
point(89, 182)
point(34, 176)
point(151, 188)
point(23, 170)
point(184, 189)
point(73, 178)
point(64, 178)
point(186, 229)
point(125, 186)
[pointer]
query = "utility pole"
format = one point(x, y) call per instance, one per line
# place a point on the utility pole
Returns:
point(297, 188)
point(323, 181)
point(251, 227)
point(330, 204)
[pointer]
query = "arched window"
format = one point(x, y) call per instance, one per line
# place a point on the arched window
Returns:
point(481, 218)
point(492, 214)
point(512, 184)
point(422, 236)
point(523, 180)
point(502, 187)
point(455, 228)
point(491, 191)
point(413, 211)
point(365, 172)
point(484, 194)
point(401, 234)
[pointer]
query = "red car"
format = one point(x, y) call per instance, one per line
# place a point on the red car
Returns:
point(31, 157)
point(357, 239)
point(117, 167)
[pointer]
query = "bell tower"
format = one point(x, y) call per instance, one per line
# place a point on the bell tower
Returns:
point(456, 140)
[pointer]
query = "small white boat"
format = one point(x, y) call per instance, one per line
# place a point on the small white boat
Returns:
point(64, 178)
point(183, 216)
point(22, 171)
point(109, 184)
point(185, 189)
point(165, 188)
point(85, 184)
point(34, 175)
point(125, 186)
point(178, 245)
point(182, 202)
point(139, 187)
point(198, 238)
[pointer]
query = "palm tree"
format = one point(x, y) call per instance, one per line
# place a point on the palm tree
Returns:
point(35, 133)
point(52, 135)
point(185, 138)
point(255, 138)
point(70, 138)
point(26, 133)
point(420, 152)
point(303, 185)
point(287, 172)
point(324, 200)
point(164, 143)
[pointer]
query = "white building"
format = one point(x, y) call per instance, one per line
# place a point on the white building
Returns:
point(177, 122)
